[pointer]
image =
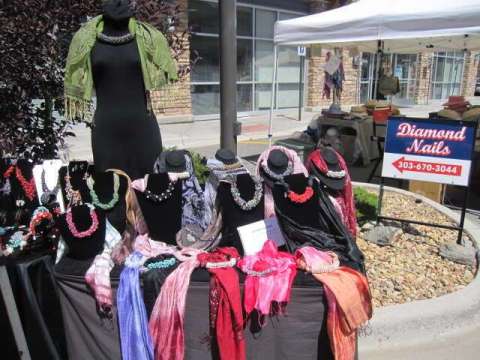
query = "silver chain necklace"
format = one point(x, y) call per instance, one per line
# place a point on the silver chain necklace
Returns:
point(116, 40)
point(159, 197)
point(47, 194)
point(244, 204)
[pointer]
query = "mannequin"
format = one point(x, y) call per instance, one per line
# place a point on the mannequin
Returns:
point(233, 215)
point(125, 135)
point(85, 248)
point(163, 218)
point(104, 189)
point(48, 183)
point(277, 162)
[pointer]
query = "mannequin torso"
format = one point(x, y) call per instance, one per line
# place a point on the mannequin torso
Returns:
point(122, 121)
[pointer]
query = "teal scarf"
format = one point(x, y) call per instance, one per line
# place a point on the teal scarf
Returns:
point(158, 67)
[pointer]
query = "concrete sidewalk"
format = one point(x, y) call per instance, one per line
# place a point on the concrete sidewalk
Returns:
point(206, 133)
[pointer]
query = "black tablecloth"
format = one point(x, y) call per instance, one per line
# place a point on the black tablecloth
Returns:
point(300, 334)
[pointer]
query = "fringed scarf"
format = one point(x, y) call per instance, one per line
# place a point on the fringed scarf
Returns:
point(348, 298)
point(98, 274)
point(270, 274)
point(344, 198)
point(298, 168)
point(135, 339)
point(158, 67)
point(226, 318)
point(166, 320)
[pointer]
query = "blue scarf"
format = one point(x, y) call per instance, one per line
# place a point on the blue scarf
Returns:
point(135, 339)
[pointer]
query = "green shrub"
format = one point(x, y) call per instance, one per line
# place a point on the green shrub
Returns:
point(201, 170)
point(366, 204)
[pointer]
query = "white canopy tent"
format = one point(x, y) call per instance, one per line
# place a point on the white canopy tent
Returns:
point(402, 26)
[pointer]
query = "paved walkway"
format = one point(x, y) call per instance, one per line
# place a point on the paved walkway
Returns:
point(206, 133)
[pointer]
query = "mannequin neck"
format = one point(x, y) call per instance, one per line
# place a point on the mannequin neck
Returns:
point(115, 27)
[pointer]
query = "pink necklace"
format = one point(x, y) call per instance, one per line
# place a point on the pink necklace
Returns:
point(81, 234)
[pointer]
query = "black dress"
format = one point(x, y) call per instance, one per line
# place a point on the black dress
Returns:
point(125, 135)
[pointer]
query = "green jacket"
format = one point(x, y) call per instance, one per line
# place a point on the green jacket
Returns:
point(158, 67)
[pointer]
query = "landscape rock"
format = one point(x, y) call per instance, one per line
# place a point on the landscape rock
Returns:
point(382, 235)
point(460, 254)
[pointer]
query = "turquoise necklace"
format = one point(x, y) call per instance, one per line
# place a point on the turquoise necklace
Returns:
point(96, 201)
point(162, 264)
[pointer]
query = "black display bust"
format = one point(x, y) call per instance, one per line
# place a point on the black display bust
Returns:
point(234, 216)
point(226, 156)
point(302, 213)
point(85, 248)
point(78, 172)
point(163, 218)
point(104, 188)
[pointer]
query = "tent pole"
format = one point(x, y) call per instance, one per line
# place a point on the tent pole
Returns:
point(377, 68)
point(272, 95)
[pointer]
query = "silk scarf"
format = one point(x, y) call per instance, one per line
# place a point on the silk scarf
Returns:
point(166, 320)
point(270, 274)
point(348, 298)
point(226, 318)
point(298, 168)
point(135, 339)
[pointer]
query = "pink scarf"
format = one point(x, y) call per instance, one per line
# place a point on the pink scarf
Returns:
point(348, 298)
point(298, 168)
point(344, 198)
point(270, 275)
point(166, 320)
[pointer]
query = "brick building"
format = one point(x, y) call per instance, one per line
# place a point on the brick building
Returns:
point(423, 77)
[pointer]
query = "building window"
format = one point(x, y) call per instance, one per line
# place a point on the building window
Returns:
point(254, 59)
point(447, 72)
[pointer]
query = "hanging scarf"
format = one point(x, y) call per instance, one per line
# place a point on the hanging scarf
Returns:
point(330, 235)
point(298, 168)
point(348, 298)
point(158, 67)
point(135, 339)
point(166, 320)
point(218, 172)
point(268, 284)
point(98, 274)
point(226, 318)
point(344, 198)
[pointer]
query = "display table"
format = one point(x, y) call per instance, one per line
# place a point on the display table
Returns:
point(364, 130)
point(33, 287)
point(300, 334)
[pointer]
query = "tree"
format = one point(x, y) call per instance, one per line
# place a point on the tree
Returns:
point(34, 40)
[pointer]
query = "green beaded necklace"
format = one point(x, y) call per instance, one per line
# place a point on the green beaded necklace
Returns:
point(96, 201)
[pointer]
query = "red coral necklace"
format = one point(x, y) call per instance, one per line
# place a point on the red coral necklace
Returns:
point(300, 198)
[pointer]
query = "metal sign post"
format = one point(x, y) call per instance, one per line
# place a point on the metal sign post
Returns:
point(433, 150)
point(302, 53)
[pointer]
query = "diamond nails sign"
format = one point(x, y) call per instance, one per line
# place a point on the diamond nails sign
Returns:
point(434, 150)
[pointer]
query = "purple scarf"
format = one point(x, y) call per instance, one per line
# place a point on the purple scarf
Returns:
point(135, 339)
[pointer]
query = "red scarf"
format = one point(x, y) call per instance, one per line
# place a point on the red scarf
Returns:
point(344, 198)
point(226, 317)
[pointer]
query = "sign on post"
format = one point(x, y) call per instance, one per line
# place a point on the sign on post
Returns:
point(434, 150)
point(301, 51)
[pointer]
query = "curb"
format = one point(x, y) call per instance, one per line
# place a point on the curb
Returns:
point(402, 329)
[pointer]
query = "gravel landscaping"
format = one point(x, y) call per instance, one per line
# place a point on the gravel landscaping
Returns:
point(410, 268)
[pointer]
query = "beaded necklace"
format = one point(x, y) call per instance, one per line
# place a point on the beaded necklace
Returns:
point(300, 198)
point(276, 176)
point(73, 229)
point(252, 203)
point(48, 194)
point(28, 186)
point(116, 40)
point(159, 197)
point(96, 201)
point(162, 264)
point(74, 197)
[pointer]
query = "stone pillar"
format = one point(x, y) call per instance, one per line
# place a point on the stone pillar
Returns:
point(470, 70)
point(173, 103)
point(423, 78)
